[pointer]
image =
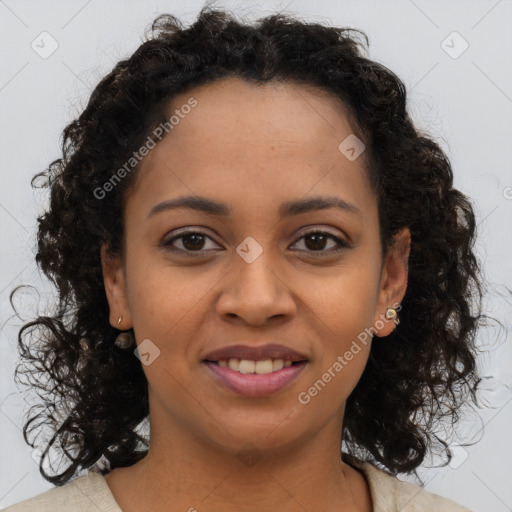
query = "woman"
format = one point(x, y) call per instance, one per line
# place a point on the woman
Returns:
point(256, 250)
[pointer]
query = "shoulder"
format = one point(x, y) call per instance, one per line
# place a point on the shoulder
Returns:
point(389, 494)
point(88, 493)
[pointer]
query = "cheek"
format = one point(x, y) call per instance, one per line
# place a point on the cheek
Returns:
point(344, 298)
point(341, 310)
point(169, 306)
point(163, 296)
point(342, 324)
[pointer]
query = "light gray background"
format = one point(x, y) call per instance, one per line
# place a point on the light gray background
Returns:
point(464, 102)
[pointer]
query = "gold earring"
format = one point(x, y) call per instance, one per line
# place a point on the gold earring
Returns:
point(391, 314)
point(120, 318)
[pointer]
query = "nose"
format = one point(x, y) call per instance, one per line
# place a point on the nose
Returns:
point(255, 292)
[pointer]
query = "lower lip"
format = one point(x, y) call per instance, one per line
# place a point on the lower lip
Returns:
point(250, 384)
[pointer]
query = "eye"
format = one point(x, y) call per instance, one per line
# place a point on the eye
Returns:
point(194, 242)
point(190, 241)
point(315, 242)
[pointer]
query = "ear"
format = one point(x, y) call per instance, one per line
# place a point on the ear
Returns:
point(393, 282)
point(115, 289)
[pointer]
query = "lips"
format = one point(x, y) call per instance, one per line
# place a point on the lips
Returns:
point(251, 353)
point(253, 385)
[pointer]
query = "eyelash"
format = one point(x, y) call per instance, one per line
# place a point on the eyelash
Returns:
point(342, 244)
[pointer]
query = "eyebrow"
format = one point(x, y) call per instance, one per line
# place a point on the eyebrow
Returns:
point(287, 209)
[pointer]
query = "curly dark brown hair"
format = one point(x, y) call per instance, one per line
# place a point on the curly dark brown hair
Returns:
point(95, 395)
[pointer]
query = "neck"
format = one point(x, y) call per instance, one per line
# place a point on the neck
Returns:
point(190, 473)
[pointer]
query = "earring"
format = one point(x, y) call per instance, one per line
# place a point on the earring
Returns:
point(391, 314)
point(124, 340)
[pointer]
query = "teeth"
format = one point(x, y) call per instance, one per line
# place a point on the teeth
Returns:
point(258, 367)
point(245, 366)
point(234, 364)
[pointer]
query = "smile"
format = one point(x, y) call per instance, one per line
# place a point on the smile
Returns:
point(255, 378)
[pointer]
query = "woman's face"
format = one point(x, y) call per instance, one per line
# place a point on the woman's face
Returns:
point(309, 279)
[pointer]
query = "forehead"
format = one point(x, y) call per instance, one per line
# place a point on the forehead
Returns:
point(277, 138)
point(245, 113)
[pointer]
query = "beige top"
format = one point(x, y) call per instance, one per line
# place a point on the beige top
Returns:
point(91, 493)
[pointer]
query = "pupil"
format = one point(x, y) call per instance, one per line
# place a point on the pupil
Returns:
point(199, 238)
point(316, 237)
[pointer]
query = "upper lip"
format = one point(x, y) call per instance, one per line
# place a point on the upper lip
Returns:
point(252, 353)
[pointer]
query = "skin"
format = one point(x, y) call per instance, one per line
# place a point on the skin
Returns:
point(251, 147)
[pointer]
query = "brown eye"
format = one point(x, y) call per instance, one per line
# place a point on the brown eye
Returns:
point(190, 241)
point(316, 241)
